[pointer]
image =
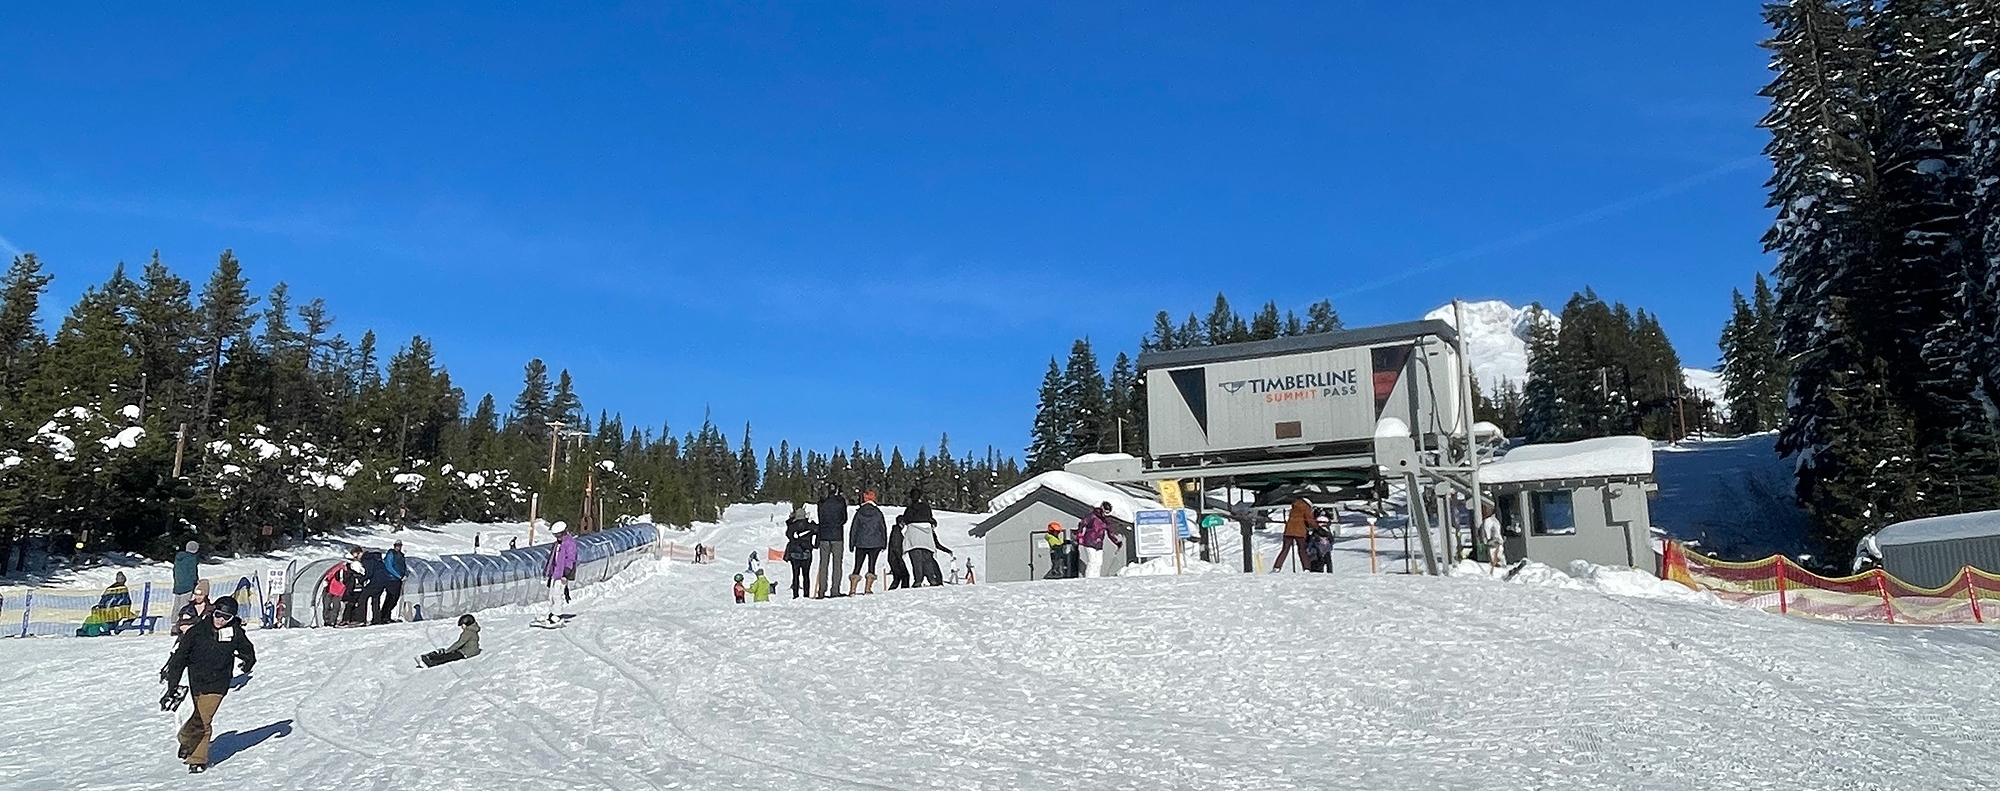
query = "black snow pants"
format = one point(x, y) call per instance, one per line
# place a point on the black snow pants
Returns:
point(802, 578)
point(923, 565)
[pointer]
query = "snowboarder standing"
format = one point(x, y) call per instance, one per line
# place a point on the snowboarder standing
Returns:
point(465, 647)
point(205, 653)
point(561, 569)
point(187, 571)
point(832, 539)
point(800, 533)
point(760, 588)
point(869, 536)
point(1092, 532)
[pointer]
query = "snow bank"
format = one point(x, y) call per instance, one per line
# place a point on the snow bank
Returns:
point(1164, 567)
point(1124, 506)
point(1584, 575)
point(1604, 456)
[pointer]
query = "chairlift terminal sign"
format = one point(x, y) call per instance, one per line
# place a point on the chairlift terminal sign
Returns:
point(1153, 534)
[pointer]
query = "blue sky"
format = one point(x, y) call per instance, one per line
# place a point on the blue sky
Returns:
point(879, 221)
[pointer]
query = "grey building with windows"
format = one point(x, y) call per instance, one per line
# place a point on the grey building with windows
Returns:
point(1585, 500)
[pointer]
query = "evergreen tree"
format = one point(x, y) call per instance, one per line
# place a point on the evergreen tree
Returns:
point(564, 406)
point(748, 481)
point(1321, 317)
point(224, 314)
point(1546, 414)
point(163, 337)
point(531, 415)
point(1223, 324)
point(21, 338)
point(1164, 337)
point(1086, 405)
point(1052, 414)
point(1267, 324)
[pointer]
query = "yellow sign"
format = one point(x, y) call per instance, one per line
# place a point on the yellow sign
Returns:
point(1170, 494)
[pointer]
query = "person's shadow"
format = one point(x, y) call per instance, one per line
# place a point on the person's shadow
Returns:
point(223, 746)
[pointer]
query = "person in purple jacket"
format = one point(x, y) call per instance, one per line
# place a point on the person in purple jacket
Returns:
point(562, 568)
point(1091, 533)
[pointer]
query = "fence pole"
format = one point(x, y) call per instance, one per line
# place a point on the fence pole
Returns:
point(1972, 595)
point(1372, 569)
point(1783, 607)
point(146, 600)
point(1882, 586)
point(27, 610)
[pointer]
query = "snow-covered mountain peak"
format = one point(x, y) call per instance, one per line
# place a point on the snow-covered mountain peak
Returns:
point(1496, 337)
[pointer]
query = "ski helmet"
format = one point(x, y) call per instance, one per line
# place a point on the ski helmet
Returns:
point(226, 605)
point(558, 527)
point(1055, 527)
point(467, 620)
point(739, 578)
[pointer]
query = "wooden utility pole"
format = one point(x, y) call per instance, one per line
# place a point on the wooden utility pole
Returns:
point(180, 445)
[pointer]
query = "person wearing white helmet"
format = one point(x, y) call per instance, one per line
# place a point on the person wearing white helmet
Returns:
point(561, 569)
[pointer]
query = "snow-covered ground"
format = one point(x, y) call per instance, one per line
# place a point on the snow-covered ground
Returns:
point(1209, 681)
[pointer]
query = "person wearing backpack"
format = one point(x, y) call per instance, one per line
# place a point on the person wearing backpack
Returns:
point(465, 647)
point(561, 569)
point(800, 533)
point(206, 653)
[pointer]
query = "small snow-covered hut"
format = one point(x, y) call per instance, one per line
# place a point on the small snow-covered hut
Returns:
point(1018, 518)
point(1933, 551)
point(1584, 500)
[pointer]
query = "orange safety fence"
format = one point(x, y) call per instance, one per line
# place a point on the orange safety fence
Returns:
point(1776, 584)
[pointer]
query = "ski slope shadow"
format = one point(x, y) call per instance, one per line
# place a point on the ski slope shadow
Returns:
point(222, 747)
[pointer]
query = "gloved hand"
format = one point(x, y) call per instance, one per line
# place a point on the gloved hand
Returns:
point(171, 701)
point(163, 675)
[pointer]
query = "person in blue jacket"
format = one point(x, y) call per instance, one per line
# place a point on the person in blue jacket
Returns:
point(394, 566)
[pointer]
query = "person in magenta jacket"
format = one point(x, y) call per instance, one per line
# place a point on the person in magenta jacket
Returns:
point(1091, 533)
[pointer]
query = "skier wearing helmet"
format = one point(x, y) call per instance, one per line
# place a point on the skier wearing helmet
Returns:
point(561, 569)
point(1062, 553)
point(205, 653)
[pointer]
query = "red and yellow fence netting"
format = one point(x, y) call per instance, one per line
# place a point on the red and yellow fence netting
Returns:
point(1776, 584)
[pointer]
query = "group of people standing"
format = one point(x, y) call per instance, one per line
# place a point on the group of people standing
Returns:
point(910, 546)
point(368, 585)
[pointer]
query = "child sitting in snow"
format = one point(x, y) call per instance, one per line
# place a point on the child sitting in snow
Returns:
point(739, 589)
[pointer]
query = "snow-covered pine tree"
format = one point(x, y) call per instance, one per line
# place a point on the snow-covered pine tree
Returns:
point(1827, 229)
point(1742, 372)
point(1922, 299)
point(1975, 84)
point(1546, 415)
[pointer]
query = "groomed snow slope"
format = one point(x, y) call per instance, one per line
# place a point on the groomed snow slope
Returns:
point(1217, 681)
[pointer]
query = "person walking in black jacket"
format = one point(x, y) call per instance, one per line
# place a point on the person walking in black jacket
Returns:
point(206, 653)
point(870, 535)
point(832, 537)
point(800, 534)
point(377, 588)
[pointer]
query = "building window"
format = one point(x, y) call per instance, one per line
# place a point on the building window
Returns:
point(1555, 514)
